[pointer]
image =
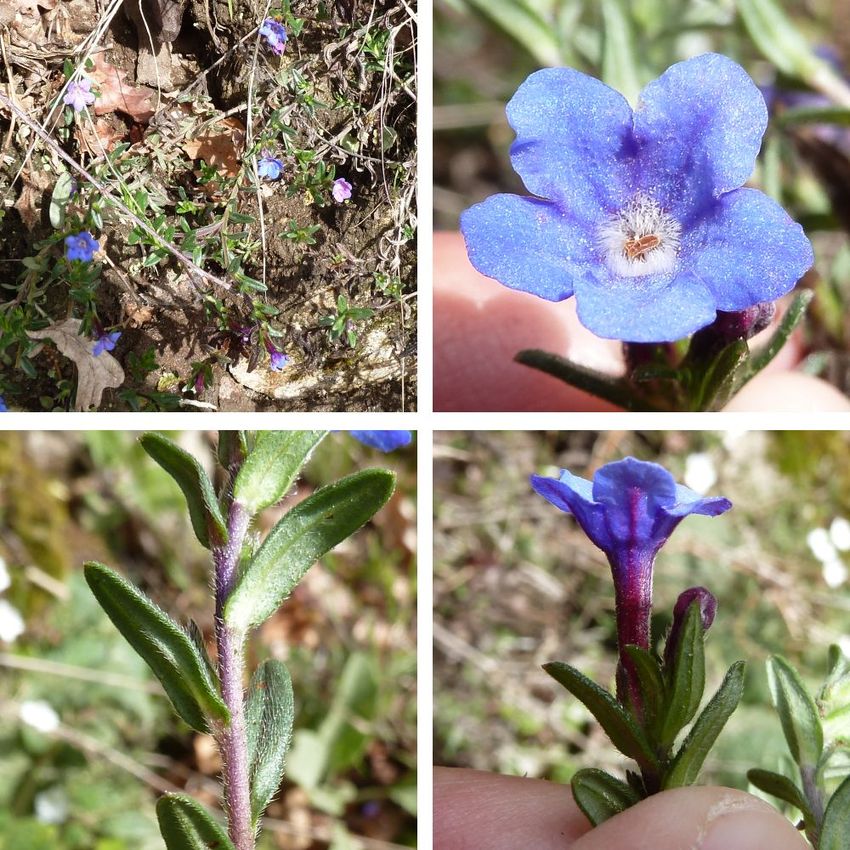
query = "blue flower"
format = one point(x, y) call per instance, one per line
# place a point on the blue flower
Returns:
point(3, 407)
point(105, 342)
point(81, 246)
point(640, 214)
point(274, 33)
point(341, 190)
point(79, 94)
point(385, 441)
point(269, 167)
point(278, 361)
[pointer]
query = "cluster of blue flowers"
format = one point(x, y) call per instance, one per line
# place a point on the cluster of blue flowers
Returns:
point(640, 214)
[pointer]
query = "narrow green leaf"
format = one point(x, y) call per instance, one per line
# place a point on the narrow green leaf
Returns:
point(836, 820)
point(193, 630)
point(308, 531)
point(232, 447)
point(797, 712)
point(723, 377)
point(204, 511)
point(782, 787)
point(618, 724)
point(60, 198)
point(601, 796)
point(619, 64)
point(167, 649)
point(687, 676)
point(651, 683)
point(269, 714)
point(833, 700)
point(688, 761)
point(790, 319)
point(186, 825)
point(272, 466)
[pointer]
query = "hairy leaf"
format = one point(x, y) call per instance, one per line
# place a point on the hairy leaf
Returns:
point(269, 715)
point(272, 466)
point(307, 532)
point(836, 819)
point(782, 787)
point(167, 649)
point(186, 825)
point(797, 712)
point(624, 733)
point(204, 511)
point(601, 796)
point(650, 681)
point(688, 761)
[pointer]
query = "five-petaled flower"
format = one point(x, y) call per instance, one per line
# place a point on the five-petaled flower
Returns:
point(341, 190)
point(105, 342)
point(81, 246)
point(79, 94)
point(269, 167)
point(629, 510)
point(274, 33)
point(640, 213)
point(385, 441)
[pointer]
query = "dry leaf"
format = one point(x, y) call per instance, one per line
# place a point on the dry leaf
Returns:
point(95, 374)
point(117, 95)
point(138, 315)
point(108, 132)
point(218, 151)
point(29, 203)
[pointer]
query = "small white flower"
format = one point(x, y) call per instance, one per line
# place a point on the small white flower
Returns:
point(11, 622)
point(839, 533)
point(834, 572)
point(40, 715)
point(821, 545)
point(5, 579)
point(51, 806)
point(700, 472)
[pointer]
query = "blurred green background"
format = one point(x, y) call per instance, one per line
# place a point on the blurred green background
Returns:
point(485, 48)
point(347, 635)
point(517, 584)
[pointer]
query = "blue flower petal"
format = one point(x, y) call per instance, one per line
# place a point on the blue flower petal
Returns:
point(690, 502)
point(699, 127)
point(748, 250)
point(569, 124)
point(385, 441)
point(527, 244)
point(574, 495)
point(644, 309)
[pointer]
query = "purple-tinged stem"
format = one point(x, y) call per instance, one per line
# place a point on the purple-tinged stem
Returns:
point(233, 742)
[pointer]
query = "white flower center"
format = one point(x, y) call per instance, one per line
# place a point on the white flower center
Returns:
point(641, 239)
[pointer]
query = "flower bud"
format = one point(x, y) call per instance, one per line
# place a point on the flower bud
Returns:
point(707, 609)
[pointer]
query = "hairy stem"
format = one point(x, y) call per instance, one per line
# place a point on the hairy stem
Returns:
point(232, 741)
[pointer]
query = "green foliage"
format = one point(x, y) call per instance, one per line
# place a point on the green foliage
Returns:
point(168, 650)
point(601, 796)
point(185, 825)
point(300, 538)
point(797, 712)
point(342, 323)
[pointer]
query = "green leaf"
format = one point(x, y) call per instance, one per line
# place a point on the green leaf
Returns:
point(688, 761)
point(167, 649)
point(269, 714)
point(782, 787)
point(232, 448)
point(204, 511)
point(601, 796)
point(723, 377)
point(797, 712)
point(687, 676)
point(619, 65)
point(650, 681)
point(186, 825)
point(61, 197)
point(624, 733)
point(836, 820)
point(833, 701)
point(272, 466)
point(307, 532)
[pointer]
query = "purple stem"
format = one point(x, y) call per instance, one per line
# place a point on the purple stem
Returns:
point(233, 743)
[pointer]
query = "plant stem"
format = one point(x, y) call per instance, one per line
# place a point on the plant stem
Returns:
point(233, 743)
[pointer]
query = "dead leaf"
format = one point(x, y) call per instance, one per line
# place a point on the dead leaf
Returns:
point(138, 315)
point(216, 150)
point(29, 203)
point(117, 95)
point(95, 374)
point(108, 131)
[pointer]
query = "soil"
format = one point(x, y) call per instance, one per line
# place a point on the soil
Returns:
point(361, 122)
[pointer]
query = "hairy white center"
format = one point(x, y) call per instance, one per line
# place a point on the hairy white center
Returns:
point(641, 239)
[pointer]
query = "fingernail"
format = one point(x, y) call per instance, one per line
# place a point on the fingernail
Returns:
point(749, 829)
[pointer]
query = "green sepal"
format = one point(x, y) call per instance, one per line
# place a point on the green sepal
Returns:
point(232, 448)
point(836, 820)
point(797, 712)
point(269, 714)
point(686, 678)
point(722, 378)
point(272, 466)
point(204, 511)
point(782, 787)
point(167, 649)
point(186, 825)
point(601, 796)
point(653, 689)
point(618, 724)
point(302, 536)
point(686, 765)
